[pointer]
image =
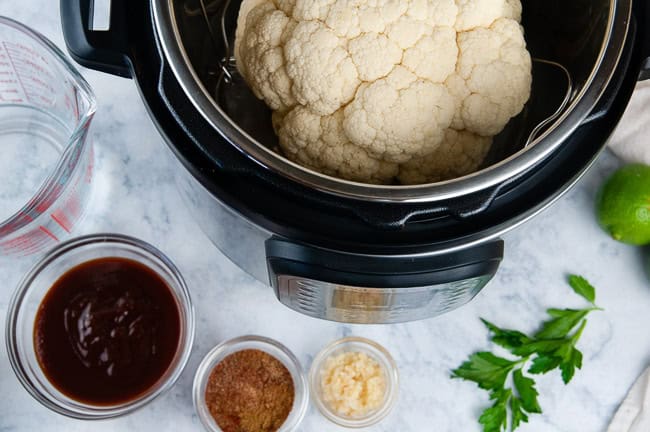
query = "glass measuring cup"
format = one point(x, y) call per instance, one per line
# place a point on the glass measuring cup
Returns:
point(46, 157)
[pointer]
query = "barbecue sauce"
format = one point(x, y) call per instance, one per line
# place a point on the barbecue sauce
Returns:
point(107, 331)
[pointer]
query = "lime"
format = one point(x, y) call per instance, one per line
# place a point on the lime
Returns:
point(623, 205)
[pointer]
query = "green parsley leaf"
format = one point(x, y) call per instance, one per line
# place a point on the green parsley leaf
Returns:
point(495, 418)
point(568, 370)
point(568, 367)
point(552, 347)
point(582, 287)
point(518, 414)
point(557, 313)
point(527, 392)
point(576, 358)
point(500, 395)
point(544, 363)
point(506, 338)
point(564, 351)
point(539, 347)
point(486, 370)
point(557, 353)
point(578, 333)
point(562, 323)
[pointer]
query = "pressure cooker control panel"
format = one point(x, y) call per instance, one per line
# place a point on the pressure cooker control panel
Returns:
point(375, 288)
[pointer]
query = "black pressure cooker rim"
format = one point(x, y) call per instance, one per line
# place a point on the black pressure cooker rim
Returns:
point(509, 208)
point(131, 49)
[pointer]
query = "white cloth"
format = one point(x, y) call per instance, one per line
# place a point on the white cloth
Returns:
point(634, 413)
point(631, 140)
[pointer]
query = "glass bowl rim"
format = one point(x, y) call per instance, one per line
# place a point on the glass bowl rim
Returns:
point(77, 409)
point(386, 361)
point(230, 346)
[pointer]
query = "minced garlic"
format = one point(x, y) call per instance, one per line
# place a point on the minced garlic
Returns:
point(353, 384)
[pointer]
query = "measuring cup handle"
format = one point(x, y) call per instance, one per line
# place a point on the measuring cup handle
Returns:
point(105, 50)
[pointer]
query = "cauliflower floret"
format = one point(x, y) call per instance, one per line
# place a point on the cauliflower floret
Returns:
point(482, 13)
point(374, 55)
point(374, 90)
point(460, 153)
point(260, 57)
point(319, 142)
point(322, 82)
point(399, 117)
point(443, 41)
point(496, 70)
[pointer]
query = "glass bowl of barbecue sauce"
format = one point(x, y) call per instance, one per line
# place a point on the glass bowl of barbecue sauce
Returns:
point(101, 326)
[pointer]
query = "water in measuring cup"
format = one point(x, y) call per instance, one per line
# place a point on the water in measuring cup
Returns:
point(31, 144)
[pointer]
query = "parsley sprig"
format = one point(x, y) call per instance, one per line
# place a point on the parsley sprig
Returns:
point(553, 346)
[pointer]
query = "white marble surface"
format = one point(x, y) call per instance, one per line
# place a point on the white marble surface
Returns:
point(135, 195)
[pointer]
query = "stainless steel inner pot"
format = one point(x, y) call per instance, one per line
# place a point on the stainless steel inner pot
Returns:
point(584, 36)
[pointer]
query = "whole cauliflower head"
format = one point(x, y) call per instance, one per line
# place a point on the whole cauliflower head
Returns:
point(384, 90)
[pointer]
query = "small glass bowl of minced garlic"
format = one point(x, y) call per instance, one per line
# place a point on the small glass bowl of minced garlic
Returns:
point(354, 382)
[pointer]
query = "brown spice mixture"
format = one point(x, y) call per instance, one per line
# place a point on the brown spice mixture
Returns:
point(250, 391)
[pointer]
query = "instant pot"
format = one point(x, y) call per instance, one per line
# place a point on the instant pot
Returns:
point(348, 251)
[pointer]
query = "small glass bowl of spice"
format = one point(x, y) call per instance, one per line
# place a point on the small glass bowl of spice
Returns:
point(250, 384)
point(354, 382)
